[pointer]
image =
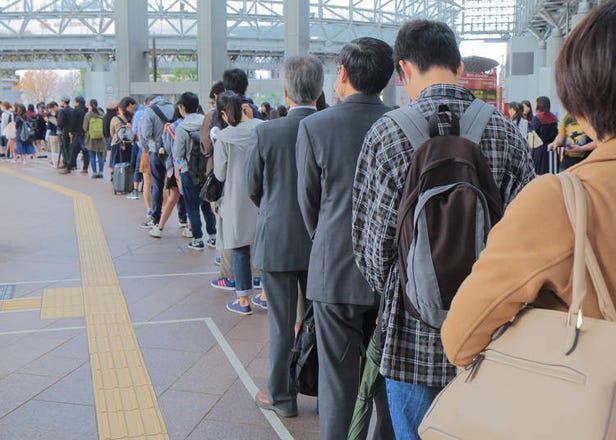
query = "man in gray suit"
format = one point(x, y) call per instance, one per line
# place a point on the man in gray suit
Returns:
point(345, 307)
point(282, 245)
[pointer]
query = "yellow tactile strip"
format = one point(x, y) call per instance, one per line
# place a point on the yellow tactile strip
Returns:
point(126, 405)
point(63, 302)
point(19, 304)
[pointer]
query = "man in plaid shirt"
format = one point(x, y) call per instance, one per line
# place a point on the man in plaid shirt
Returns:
point(428, 60)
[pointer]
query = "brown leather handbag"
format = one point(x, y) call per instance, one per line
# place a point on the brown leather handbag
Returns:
point(546, 375)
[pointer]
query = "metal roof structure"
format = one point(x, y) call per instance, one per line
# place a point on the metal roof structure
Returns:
point(68, 33)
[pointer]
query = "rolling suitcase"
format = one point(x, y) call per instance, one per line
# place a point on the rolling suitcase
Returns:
point(553, 161)
point(122, 178)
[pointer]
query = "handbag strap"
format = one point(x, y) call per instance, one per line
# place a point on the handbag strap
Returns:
point(606, 305)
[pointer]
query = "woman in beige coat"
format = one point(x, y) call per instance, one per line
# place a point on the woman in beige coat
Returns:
point(529, 254)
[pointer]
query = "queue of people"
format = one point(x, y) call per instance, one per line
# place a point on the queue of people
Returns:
point(314, 204)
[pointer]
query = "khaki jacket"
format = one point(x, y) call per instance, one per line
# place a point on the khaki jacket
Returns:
point(529, 255)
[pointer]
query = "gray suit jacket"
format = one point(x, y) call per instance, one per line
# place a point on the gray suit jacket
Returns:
point(328, 145)
point(282, 243)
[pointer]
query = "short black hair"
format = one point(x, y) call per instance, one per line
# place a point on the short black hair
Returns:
point(80, 100)
point(190, 101)
point(586, 70)
point(426, 44)
point(217, 89)
point(235, 80)
point(543, 104)
point(231, 103)
point(369, 64)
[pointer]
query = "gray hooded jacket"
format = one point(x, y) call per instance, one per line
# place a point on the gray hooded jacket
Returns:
point(151, 126)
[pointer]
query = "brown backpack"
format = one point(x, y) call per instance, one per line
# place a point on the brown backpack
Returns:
point(449, 203)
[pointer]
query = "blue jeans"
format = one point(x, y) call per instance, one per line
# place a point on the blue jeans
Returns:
point(94, 155)
point(192, 202)
point(158, 170)
point(408, 404)
point(135, 160)
point(241, 269)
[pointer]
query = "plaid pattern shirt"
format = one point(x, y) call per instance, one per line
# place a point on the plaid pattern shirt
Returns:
point(413, 352)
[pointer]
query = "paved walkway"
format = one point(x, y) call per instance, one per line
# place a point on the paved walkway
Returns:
point(108, 333)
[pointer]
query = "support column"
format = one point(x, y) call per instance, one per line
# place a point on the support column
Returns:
point(553, 45)
point(539, 57)
point(211, 44)
point(131, 32)
point(296, 27)
point(583, 9)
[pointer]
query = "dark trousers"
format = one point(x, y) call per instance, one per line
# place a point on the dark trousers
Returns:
point(192, 201)
point(77, 146)
point(342, 330)
point(65, 149)
point(209, 216)
point(158, 169)
point(181, 208)
point(282, 293)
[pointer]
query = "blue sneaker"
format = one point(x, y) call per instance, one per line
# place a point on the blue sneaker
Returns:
point(256, 283)
point(257, 301)
point(235, 307)
point(223, 283)
point(217, 260)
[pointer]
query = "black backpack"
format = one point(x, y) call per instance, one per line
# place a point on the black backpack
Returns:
point(28, 130)
point(304, 360)
point(197, 161)
point(449, 204)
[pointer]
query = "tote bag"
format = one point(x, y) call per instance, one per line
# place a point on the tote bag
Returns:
point(546, 375)
point(10, 131)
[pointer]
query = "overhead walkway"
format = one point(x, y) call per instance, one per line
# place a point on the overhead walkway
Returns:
point(108, 333)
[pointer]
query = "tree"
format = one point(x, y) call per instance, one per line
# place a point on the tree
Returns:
point(39, 85)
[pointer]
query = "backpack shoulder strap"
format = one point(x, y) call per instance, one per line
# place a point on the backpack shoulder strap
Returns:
point(413, 124)
point(159, 113)
point(475, 119)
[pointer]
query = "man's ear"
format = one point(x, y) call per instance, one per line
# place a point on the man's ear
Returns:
point(406, 71)
point(460, 70)
point(343, 75)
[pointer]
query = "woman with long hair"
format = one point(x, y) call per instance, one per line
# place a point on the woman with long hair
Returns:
point(24, 141)
point(8, 117)
point(516, 113)
point(120, 130)
point(95, 139)
point(238, 215)
point(545, 124)
point(171, 179)
point(528, 110)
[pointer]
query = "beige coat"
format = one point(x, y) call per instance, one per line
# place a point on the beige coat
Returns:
point(531, 250)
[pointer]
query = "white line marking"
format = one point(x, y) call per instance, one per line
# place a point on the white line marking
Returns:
point(271, 417)
point(42, 330)
point(249, 384)
point(2, 312)
point(124, 277)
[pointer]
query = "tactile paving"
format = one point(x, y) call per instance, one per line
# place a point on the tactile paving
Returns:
point(20, 304)
point(126, 405)
point(64, 302)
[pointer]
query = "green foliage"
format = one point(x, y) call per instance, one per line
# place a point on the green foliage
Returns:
point(179, 75)
point(275, 99)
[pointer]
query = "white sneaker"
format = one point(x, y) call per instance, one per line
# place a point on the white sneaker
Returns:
point(155, 231)
point(187, 233)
